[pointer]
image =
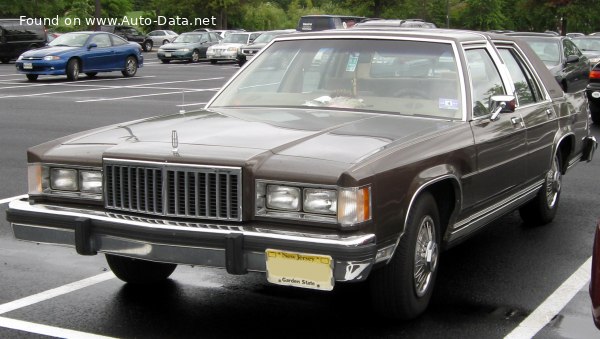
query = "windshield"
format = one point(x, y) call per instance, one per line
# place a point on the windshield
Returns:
point(403, 77)
point(547, 49)
point(236, 38)
point(188, 38)
point(70, 39)
point(586, 44)
point(266, 37)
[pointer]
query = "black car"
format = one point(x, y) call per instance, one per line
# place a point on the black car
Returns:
point(590, 47)
point(17, 37)
point(130, 34)
point(562, 57)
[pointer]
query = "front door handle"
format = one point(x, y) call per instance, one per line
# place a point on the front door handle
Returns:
point(517, 120)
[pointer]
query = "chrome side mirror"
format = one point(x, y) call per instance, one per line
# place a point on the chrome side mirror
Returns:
point(501, 104)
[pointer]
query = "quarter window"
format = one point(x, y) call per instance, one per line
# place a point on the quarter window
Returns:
point(485, 80)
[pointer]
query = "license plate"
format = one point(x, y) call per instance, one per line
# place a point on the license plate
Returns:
point(299, 269)
point(167, 55)
point(217, 53)
point(27, 65)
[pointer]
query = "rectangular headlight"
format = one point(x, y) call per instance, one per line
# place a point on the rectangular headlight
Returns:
point(320, 201)
point(91, 181)
point(283, 197)
point(63, 179)
point(354, 205)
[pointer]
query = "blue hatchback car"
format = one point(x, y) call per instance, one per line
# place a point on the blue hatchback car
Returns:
point(82, 52)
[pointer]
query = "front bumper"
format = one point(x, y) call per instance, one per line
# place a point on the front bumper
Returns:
point(222, 55)
point(174, 55)
point(41, 67)
point(238, 248)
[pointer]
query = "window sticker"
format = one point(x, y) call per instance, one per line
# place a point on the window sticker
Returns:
point(352, 62)
point(448, 104)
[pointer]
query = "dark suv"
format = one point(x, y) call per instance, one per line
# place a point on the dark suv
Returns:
point(16, 38)
point(130, 34)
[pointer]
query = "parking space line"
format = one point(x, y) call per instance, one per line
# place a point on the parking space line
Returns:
point(73, 82)
point(195, 104)
point(9, 75)
point(553, 304)
point(52, 331)
point(55, 292)
point(7, 200)
point(150, 95)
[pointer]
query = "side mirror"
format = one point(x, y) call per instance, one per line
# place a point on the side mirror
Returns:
point(572, 59)
point(92, 45)
point(501, 104)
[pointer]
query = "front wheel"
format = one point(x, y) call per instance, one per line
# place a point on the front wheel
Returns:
point(137, 271)
point(32, 77)
point(212, 61)
point(402, 289)
point(131, 67)
point(165, 61)
point(195, 56)
point(5, 60)
point(595, 112)
point(542, 209)
point(73, 70)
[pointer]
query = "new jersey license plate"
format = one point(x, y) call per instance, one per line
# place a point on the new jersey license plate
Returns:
point(300, 269)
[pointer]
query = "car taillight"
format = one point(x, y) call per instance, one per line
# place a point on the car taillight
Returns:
point(595, 74)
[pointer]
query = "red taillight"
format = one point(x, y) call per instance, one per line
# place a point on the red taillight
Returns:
point(595, 74)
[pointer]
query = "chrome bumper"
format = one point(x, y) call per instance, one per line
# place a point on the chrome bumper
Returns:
point(238, 248)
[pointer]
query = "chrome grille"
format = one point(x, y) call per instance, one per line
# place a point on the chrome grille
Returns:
point(173, 190)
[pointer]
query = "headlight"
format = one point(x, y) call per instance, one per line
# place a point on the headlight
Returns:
point(20, 57)
point(51, 57)
point(283, 198)
point(594, 61)
point(320, 201)
point(91, 181)
point(354, 205)
point(54, 180)
point(63, 179)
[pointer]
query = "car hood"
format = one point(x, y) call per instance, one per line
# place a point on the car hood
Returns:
point(178, 45)
point(227, 45)
point(255, 46)
point(49, 50)
point(236, 136)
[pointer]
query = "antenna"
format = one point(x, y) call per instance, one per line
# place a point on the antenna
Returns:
point(182, 110)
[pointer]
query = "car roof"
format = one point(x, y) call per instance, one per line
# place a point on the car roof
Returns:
point(536, 34)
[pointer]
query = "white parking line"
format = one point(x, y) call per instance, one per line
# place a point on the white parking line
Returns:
point(150, 95)
point(46, 330)
point(553, 304)
point(55, 292)
point(7, 200)
point(195, 104)
point(73, 82)
point(9, 75)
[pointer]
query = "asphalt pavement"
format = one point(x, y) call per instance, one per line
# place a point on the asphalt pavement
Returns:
point(488, 287)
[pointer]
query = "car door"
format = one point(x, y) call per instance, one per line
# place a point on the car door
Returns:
point(101, 57)
point(539, 117)
point(122, 50)
point(500, 145)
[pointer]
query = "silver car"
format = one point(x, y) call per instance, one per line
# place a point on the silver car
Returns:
point(161, 37)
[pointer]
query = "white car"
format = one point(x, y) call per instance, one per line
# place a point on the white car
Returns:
point(161, 37)
point(228, 49)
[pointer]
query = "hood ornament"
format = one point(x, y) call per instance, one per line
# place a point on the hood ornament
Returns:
point(175, 142)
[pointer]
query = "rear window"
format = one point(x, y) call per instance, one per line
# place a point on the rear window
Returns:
point(318, 23)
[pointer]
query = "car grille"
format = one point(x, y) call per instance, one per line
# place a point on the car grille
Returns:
point(32, 58)
point(249, 51)
point(174, 190)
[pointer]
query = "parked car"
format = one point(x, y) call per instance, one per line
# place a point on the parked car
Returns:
point(412, 23)
point(309, 23)
point(130, 34)
point(162, 37)
point(190, 46)
point(82, 52)
point(16, 38)
point(593, 94)
point(228, 48)
point(223, 33)
point(590, 47)
point(570, 67)
point(335, 156)
point(248, 51)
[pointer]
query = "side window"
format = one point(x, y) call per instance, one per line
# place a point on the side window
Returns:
point(526, 88)
point(213, 37)
point(571, 49)
point(485, 80)
point(102, 40)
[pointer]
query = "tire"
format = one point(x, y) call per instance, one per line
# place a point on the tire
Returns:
point(164, 61)
point(165, 42)
point(542, 209)
point(595, 112)
point(212, 61)
point(73, 68)
point(241, 63)
point(91, 74)
point(195, 56)
point(396, 291)
point(147, 47)
point(5, 60)
point(32, 77)
point(131, 67)
point(136, 271)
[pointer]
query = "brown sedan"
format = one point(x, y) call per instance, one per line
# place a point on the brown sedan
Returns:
point(334, 156)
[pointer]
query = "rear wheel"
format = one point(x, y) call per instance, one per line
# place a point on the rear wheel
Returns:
point(213, 61)
point(165, 42)
point(147, 45)
point(402, 289)
point(32, 77)
point(73, 70)
point(164, 61)
point(131, 67)
point(136, 271)
point(542, 209)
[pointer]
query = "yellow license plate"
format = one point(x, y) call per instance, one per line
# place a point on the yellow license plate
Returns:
point(299, 269)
